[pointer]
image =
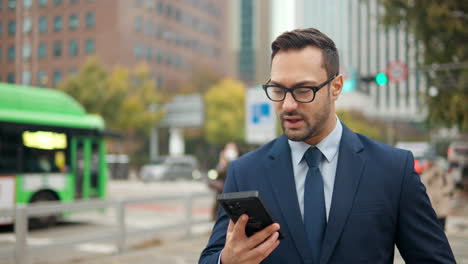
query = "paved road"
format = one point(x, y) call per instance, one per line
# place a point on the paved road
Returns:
point(187, 251)
point(138, 216)
point(171, 247)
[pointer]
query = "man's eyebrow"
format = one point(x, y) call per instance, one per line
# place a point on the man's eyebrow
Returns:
point(301, 83)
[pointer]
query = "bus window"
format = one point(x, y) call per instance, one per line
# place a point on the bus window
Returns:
point(44, 161)
point(44, 152)
point(10, 146)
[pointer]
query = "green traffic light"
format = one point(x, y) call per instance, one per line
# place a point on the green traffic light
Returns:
point(381, 79)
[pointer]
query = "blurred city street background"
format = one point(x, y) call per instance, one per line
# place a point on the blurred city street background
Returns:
point(102, 100)
point(171, 246)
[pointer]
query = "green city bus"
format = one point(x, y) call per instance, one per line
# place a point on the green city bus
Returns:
point(50, 149)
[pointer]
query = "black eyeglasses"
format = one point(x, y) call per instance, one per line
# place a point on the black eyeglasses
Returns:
point(302, 94)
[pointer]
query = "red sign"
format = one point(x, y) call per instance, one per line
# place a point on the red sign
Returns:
point(397, 71)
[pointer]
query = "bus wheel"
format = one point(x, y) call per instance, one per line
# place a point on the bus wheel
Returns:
point(46, 220)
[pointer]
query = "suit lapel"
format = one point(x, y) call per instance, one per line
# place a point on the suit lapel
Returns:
point(279, 173)
point(348, 173)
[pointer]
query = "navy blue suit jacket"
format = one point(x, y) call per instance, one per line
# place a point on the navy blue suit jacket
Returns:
point(378, 202)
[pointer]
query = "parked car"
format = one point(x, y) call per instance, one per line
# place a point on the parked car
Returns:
point(457, 156)
point(420, 150)
point(170, 168)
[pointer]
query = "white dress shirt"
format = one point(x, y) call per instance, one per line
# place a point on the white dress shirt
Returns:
point(329, 147)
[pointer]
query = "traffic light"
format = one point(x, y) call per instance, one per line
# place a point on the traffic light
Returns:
point(381, 79)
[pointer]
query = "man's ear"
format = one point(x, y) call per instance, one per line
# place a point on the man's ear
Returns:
point(337, 86)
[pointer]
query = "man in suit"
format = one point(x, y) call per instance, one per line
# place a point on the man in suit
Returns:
point(338, 196)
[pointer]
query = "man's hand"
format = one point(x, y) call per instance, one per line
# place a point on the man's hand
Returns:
point(242, 249)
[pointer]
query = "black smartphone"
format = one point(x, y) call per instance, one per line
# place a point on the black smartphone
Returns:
point(237, 203)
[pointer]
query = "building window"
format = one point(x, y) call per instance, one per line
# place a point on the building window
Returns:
point(73, 2)
point(138, 24)
point(12, 28)
point(1, 5)
point(1, 52)
point(178, 15)
point(11, 53)
point(42, 3)
point(138, 50)
point(12, 4)
point(149, 53)
point(160, 7)
point(1, 27)
point(90, 20)
point(27, 25)
point(149, 28)
point(177, 61)
point(73, 48)
point(159, 56)
point(58, 23)
point(27, 3)
point(159, 31)
point(74, 22)
point(26, 78)
point(168, 60)
point(57, 49)
point(149, 4)
point(26, 51)
point(57, 77)
point(58, 2)
point(11, 77)
point(159, 82)
point(169, 10)
point(42, 24)
point(41, 78)
point(42, 50)
point(90, 46)
point(138, 3)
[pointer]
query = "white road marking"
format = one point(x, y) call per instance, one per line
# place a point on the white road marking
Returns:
point(97, 248)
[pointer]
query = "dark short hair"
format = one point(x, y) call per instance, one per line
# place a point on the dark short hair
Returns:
point(300, 38)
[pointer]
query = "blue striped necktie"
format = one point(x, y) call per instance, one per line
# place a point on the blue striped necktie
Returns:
point(314, 203)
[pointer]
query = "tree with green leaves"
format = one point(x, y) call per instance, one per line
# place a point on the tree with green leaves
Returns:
point(225, 112)
point(359, 123)
point(440, 26)
point(123, 98)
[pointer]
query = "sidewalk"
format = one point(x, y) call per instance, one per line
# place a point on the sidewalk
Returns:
point(188, 250)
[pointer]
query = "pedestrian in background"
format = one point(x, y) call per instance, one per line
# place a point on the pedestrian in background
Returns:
point(229, 153)
point(439, 187)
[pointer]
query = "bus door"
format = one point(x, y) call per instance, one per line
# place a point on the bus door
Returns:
point(87, 169)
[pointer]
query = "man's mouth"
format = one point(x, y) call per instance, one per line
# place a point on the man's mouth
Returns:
point(292, 122)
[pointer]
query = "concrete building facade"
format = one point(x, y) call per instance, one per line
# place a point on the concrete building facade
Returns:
point(249, 27)
point(44, 41)
point(366, 48)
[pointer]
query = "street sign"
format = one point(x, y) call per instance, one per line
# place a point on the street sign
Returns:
point(397, 71)
point(260, 117)
point(184, 111)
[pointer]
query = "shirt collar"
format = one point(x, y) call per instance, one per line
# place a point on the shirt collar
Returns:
point(328, 146)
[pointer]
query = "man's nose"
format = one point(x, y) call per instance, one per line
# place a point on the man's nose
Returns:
point(289, 104)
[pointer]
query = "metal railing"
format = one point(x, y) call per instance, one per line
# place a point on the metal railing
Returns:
point(22, 252)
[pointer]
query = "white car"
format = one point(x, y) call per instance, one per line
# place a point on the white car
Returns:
point(170, 168)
